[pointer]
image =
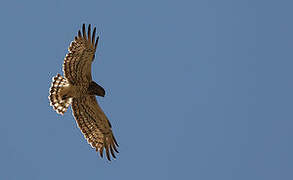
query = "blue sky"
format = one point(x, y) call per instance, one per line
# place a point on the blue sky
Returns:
point(195, 89)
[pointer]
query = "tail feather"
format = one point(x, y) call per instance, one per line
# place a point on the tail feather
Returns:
point(59, 105)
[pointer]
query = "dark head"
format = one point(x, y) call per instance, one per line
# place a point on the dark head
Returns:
point(95, 89)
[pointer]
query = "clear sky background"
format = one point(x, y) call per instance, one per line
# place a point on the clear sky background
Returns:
point(195, 89)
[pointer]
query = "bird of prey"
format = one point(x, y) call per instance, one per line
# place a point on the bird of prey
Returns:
point(78, 89)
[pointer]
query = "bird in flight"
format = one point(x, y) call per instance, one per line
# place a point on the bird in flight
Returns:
point(78, 89)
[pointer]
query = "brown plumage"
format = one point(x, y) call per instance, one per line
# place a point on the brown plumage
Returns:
point(78, 89)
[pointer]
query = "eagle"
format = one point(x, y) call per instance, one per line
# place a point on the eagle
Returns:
point(78, 89)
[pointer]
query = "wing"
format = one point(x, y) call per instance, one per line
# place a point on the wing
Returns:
point(78, 61)
point(94, 125)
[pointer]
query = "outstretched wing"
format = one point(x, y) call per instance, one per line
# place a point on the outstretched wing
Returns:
point(94, 124)
point(78, 61)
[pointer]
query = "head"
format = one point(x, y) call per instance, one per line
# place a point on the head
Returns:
point(95, 89)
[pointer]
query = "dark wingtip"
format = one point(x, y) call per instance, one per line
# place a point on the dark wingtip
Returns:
point(94, 34)
point(112, 152)
point(107, 154)
point(101, 152)
point(83, 31)
point(89, 32)
point(96, 44)
point(115, 149)
point(115, 141)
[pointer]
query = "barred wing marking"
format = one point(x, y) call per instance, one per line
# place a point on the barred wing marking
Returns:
point(94, 124)
point(56, 101)
point(78, 61)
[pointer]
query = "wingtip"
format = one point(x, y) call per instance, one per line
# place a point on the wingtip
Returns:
point(115, 141)
point(115, 149)
point(89, 32)
point(112, 152)
point(101, 152)
point(97, 40)
point(107, 152)
point(83, 31)
point(93, 37)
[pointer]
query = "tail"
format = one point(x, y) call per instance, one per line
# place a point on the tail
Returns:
point(59, 103)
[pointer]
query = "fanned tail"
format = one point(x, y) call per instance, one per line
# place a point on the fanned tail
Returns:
point(60, 104)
